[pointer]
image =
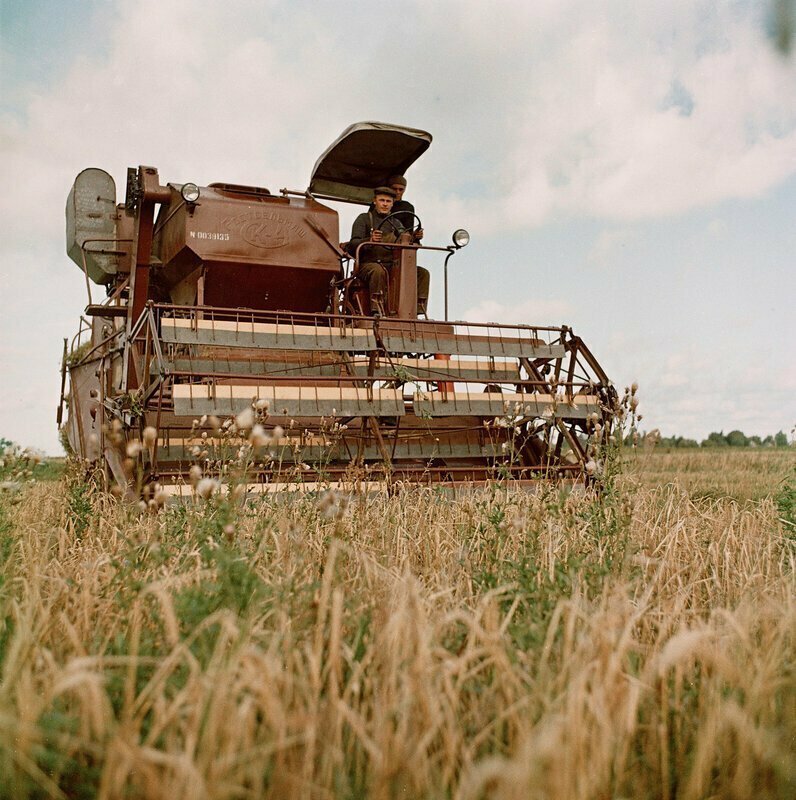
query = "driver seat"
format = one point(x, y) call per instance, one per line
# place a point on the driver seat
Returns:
point(357, 298)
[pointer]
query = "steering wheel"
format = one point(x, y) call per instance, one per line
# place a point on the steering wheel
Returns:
point(395, 223)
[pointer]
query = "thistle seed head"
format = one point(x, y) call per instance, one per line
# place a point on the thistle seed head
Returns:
point(245, 419)
point(258, 437)
point(206, 487)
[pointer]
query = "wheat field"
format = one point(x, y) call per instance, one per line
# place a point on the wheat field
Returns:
point(713, 473)
point(639, 644)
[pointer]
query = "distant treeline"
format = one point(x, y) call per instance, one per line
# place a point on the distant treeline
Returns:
point(719, 439)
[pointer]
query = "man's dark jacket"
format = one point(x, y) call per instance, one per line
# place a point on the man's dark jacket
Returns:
point(400, 207)
point(360, 232)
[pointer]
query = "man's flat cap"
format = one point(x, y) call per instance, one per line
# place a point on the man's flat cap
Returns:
point(396, 180)
point(384, 190)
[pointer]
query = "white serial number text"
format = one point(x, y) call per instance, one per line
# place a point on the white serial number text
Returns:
point(220, 237)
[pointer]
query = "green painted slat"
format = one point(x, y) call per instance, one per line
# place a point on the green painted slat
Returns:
point(438, 404)
point(294, 453)
point(270, 336)
point(421, 341)
point(403, 369)
point(293, 401)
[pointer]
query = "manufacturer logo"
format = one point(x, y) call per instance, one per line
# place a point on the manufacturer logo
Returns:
point(263, 228)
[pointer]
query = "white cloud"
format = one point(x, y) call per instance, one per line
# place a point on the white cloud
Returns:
point(609, 244)
point(690, 391)
point(717, 228)
point(586, 127)
point(539, 111)
point(532, 311)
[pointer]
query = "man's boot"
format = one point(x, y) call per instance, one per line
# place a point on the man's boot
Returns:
point(376, 305)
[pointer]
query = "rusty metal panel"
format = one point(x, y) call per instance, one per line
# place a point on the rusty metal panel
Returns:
point(83, 425)
point(271, 336)
point(294, 401)
point(255, 249)
point(230, 226)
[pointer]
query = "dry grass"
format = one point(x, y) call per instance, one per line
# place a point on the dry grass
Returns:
point(501, 646)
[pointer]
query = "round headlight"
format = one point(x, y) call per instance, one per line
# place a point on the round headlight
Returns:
point(461, 238)
point(190, 192)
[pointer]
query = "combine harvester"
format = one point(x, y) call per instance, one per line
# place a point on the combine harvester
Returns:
point(229, 302)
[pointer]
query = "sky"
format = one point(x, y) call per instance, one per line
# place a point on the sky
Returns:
point(625, 168)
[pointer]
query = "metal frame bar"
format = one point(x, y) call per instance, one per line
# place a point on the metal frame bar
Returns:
point(264, 380)
point(254, 315)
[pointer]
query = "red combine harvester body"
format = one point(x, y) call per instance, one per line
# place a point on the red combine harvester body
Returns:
point(234, 344)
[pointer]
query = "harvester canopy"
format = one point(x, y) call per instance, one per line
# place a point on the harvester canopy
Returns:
point(235, 346)
point(363, 157)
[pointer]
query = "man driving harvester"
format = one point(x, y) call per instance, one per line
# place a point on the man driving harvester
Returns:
point(375, 261)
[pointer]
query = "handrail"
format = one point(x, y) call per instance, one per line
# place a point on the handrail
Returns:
point(298, 316)
point(83, 252)
point(450, 250)
point(85, 325)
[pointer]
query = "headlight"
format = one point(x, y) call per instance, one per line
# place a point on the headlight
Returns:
point(190, 192)
point(461, 238)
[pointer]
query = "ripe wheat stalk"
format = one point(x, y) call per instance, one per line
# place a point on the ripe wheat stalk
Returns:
point(491, 645)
